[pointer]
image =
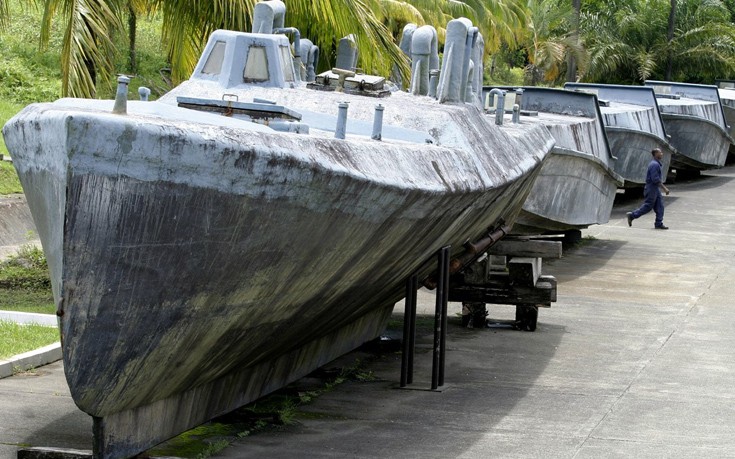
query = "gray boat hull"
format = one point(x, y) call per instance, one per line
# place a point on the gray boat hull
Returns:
point(632, 150)
point(702, 143)
point(728, 106)
point(573, 191)
point(197, 267)
point(576, 187)
point(695, 119)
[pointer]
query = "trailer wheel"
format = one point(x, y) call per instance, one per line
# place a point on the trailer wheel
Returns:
point(526, 317)
point(474, 315)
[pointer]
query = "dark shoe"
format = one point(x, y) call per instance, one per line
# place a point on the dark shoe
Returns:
point(630, 218)
point(661, 227)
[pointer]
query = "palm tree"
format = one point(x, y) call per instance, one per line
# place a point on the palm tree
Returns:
point(87, 47)
point(703, 46)
point(670, 38)
point(637, 42)
point(571, 61)
point(499, 21)
point(91, 25)
point(548, 44)
point(4, 13)
point(624, 43)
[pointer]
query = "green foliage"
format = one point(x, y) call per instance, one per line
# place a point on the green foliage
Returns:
point(24, 282)
point(27, 300)
point(152, 68)
point(18, 338)
point(33, 74)
point(505, 76)
point(8, 179)
point(9, 182)
point(628, 41)
point(26, 270)
point(28, 74)
point(198, 443)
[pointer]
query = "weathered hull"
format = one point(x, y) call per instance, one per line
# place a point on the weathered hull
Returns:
point(573, 191)
point(632, 150)
point(702, 143)
point(728, 106)
point(634, 128)
point(198, 267)
point(695, 120)
point(576, 187)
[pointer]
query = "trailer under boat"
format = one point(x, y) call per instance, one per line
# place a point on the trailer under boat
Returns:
point(694, 118)
point(634, 127)
point(201, 261)
point(577, 183)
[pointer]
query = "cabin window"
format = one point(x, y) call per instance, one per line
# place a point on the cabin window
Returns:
point(213, 66)
point(286, 63)
point(256, 66)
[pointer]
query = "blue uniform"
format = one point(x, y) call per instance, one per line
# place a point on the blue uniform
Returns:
point(652, 194)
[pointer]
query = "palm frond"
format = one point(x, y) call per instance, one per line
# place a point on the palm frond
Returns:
point(87, 50)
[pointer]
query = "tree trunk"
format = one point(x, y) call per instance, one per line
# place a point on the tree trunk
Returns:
point(571, 61)
point(669, 39)
point(132, 26)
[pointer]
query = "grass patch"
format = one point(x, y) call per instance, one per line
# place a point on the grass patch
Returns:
point(41, 302)
point(19, 338)
point(24, 282)
point(7, 111)
point(9, 183)
point(30, 74)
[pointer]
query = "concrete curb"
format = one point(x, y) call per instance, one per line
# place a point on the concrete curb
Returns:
point(36, 357)
point(49, 320)
point(31, 359)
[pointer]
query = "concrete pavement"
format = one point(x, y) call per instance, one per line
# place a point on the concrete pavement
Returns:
point(636, 359)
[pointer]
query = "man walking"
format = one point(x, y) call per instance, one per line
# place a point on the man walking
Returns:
point(652, 192)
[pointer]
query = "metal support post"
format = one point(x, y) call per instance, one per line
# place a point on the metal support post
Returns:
point(409, 330)
point(440, 319)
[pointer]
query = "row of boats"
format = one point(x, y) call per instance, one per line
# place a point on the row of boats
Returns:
point(248, 227)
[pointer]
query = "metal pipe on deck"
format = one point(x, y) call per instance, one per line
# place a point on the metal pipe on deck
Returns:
point(121, 96)
point(144, 93)
point(296, 48)
point(433, 82)
point(519, 96)
point(500, 106)
point(341, 129)
point(378, 123)
point(268, 15)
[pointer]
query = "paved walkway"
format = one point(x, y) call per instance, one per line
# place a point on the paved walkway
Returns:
point(636, 359)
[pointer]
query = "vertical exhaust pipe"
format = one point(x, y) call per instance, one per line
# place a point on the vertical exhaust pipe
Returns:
point(341, 129)
point(121, 96)
point(517, 106)
point(500, 107)
point(144, 93)
point(378, 123)
point(433, 82)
